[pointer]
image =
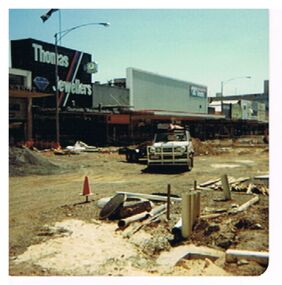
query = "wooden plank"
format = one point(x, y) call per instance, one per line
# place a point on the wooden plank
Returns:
point(204, 188)
point(225, 187)
point(239, 180)
point(209, 182)
point(211, 216)
point(246, 205)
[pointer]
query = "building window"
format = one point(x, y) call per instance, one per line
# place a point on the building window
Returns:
point(16, 80)
point(14, 107)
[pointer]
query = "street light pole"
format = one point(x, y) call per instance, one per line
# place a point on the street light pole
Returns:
point(57, 92)
point(225, 81)
point(58, 36)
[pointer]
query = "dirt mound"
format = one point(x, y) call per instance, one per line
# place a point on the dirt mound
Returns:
point(203, 148)
point(23, 161)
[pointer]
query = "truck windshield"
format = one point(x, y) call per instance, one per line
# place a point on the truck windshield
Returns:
point(174, 136)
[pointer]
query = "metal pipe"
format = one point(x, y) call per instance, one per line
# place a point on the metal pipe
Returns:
point(57, 92)
point(231, 255)
point(103, 201)
point(168, 202)
point(125, 222)
point(149, 196)
point(157, 210)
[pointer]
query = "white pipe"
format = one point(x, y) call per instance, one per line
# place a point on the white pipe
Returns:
point(231, 255)
point(149, 196)
point(157, 210)
point(198, 204)
point(186, 228)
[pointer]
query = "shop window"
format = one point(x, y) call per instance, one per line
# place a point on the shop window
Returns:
point(14, 107)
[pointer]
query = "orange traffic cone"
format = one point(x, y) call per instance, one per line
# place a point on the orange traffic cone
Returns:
point(86, 189)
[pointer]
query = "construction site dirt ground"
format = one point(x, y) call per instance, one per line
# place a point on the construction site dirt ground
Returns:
point(52, 232)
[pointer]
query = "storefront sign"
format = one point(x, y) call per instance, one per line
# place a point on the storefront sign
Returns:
point(197, 91)
point(74, 83)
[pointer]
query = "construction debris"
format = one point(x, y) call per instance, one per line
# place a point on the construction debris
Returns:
point(138, 217)
point(80, 146)
point(225, 187)
point(188, 252)
point(232, 255)
point(152, 219)
point(112, 206)
point(257, 184)
point(149, 196)
point(133, 209)
point(246, 205)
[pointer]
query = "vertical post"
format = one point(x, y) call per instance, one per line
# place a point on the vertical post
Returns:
point(225, 187)
point(57, 91)
point(195, 185)
point(186, 228)
point(29, 118)
point(168, 202)
point(60, 25)
point(221, 95)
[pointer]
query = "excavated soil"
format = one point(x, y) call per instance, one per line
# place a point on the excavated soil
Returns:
point(53, 232)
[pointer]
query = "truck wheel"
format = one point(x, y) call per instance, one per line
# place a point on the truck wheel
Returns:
point(128, 157)
point(134, 157)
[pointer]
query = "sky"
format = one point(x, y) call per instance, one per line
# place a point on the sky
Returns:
point(204, 46)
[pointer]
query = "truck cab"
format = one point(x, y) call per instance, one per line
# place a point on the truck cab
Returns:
point(172, 147)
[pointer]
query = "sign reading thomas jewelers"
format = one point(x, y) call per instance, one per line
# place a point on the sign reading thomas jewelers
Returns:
point(74, 83)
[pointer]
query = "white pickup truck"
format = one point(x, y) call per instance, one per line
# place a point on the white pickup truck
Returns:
point(172, 147)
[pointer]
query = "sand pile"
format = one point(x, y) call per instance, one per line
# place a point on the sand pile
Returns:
point(23, 161)
point(83, 249)
point(97, 248)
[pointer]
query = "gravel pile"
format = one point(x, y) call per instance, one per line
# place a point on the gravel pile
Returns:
point(23, 161)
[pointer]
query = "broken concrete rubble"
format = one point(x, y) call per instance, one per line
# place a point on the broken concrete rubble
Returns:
point(190, 251)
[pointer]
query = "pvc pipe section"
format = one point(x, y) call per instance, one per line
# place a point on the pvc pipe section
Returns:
point(191, 209)
point(149, 196)
point(231, 255)
point(186, 214)
point(125, 222)
point(157, 210)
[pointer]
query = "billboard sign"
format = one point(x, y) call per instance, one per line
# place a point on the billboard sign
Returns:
point(197, 91)
point(74, 83)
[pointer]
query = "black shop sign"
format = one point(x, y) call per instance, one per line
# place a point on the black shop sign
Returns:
point(74, 84)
